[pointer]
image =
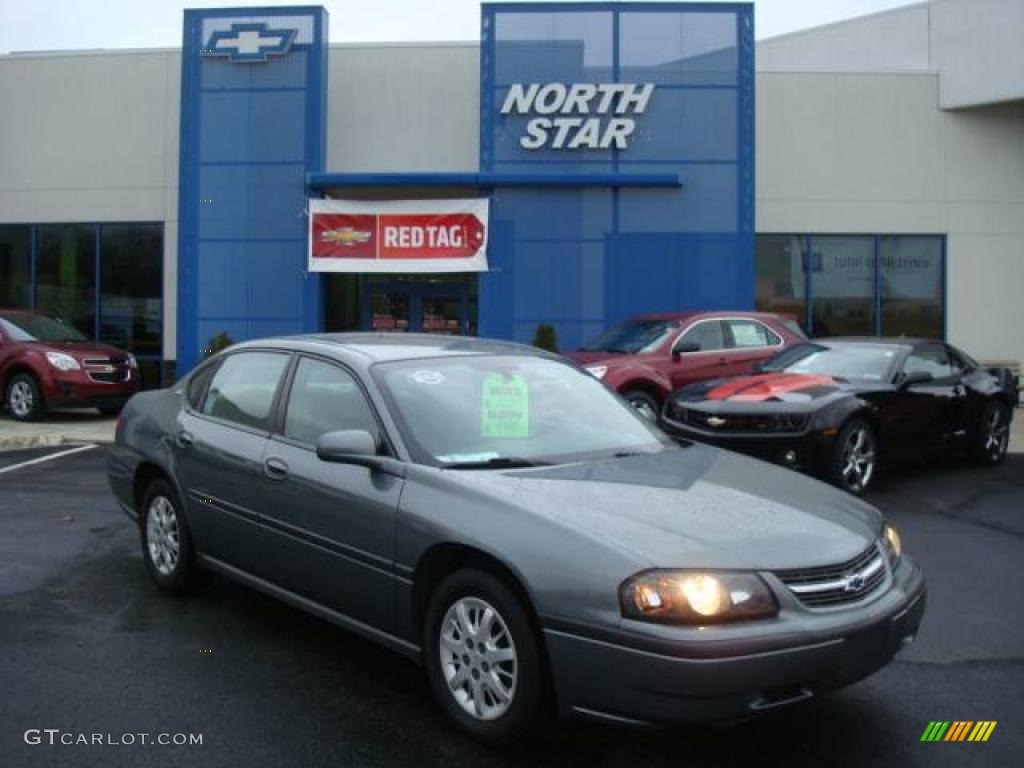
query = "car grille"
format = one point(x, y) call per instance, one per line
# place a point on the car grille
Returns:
point(107, 371)
point(739, 422)
point(833, 586)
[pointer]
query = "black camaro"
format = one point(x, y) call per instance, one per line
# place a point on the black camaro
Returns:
point(833, 407)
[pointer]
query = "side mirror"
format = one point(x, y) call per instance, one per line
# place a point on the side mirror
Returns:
point(915, 377)
point(349, 446)
point(686, 346)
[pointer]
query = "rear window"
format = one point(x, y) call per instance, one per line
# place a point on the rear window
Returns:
point(243, 388)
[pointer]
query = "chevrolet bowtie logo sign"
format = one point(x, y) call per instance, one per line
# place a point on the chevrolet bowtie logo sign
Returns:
point(249, 42)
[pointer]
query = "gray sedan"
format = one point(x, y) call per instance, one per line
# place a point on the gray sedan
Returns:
point(493, 512)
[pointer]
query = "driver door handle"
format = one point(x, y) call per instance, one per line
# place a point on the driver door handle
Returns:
point(275, 468)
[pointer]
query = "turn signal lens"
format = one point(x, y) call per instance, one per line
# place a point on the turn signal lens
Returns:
point(893, 543)
point(692, 597)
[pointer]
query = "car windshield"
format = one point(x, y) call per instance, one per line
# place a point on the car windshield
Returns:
point(864, 362)
point(26, 327)
point(488, 410)
point(633, 336)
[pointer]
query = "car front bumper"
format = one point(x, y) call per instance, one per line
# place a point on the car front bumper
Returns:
point(720, 678)
point(77, 389)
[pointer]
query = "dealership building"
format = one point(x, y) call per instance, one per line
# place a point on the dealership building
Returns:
point(581, 163)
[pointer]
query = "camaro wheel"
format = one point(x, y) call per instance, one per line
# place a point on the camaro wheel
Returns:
point(644, 403)
point(993, 435)
point(482, 657)
point(855, 456)
point(166, 541)
point(24, 400)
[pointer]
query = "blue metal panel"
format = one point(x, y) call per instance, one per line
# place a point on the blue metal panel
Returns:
point(583, 259)
point(250, 132)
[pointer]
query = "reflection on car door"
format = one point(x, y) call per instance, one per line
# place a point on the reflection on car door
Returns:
point(219, 451)
point(331, 526)
point(709, 362)
point(749, 342)
point(928, 412)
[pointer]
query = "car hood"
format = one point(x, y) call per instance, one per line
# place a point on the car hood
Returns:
point(695, 507)
point(765, 388)
point(80, 349)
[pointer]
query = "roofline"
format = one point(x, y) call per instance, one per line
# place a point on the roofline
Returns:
point(850, 20)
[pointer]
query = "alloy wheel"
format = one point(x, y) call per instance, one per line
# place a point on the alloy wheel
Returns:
point(162, 537)
point(997, 435)
point(858, 459)
point(478, 658)
point(21, 399)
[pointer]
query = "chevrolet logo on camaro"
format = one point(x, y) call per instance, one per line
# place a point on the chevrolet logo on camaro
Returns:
point(345, 236)
point(249, 42)
point(715, 421)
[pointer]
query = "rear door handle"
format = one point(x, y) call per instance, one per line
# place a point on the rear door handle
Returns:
point(275, 468)
point(184, 439)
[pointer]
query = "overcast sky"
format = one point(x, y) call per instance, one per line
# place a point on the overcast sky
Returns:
point(34, 25)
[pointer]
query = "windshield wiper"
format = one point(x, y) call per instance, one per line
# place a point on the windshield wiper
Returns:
point(498, 462)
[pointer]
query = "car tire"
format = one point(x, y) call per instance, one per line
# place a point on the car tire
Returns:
point(644, 403)
point(855, 457)
point(167, 541)
point(24, 398)
point(483, 658)
point(992, 435)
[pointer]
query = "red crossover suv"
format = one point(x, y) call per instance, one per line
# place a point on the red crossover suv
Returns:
point(649, 356)
point(46, 364)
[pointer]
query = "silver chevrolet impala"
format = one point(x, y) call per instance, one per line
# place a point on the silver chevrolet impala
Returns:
point(496, 514)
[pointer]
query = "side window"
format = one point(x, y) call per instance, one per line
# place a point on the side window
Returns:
point(242, 390)
point(930, 358)
point(325, 398)
point(197, 384)
point(750, 333)
point(708, 335)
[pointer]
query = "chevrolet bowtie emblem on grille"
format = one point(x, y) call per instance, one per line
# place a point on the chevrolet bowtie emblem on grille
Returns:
point(854, 583)
point(715, 421)
point(249, 42)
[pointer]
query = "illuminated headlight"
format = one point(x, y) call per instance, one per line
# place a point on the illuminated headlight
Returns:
point(132, 362)
point(893, 544)
point(695, 597)
point(597, 371)
point(62, 362)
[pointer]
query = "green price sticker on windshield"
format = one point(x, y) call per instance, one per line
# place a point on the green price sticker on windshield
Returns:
point(504, 406)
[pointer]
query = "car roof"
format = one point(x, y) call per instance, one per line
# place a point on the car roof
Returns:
point(884, 341)
point(711, 314)
point(380, 347)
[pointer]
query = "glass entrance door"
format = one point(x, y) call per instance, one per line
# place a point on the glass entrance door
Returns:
point(416, 307)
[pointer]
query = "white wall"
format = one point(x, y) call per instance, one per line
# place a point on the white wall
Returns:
point(403, 108)
point(846, 153)
point(93, 137)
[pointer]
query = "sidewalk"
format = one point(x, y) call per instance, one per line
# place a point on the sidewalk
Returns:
point(73, 426)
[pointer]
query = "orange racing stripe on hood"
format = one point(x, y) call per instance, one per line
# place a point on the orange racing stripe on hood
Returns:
point(757, 389)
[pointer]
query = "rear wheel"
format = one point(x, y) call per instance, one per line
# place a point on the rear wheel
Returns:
point(482, 657)
point(644, 403)
point(24, 398)
point(992, 435)
point(167, 540)
point(855, 457)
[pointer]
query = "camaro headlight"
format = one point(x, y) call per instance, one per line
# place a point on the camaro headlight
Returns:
point(893, 544)
point(696, 597)
point(597, 371)
point(62, 362)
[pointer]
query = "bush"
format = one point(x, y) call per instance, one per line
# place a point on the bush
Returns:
point(219, 342)
point(545, 338)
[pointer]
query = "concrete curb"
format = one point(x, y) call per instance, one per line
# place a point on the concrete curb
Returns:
point(17, 442)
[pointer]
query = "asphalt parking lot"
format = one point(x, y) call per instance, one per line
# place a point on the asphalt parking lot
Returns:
point(88, 646)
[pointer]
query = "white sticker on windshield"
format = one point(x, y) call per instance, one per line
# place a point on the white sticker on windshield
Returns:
point(428, 377)
point(459, 458)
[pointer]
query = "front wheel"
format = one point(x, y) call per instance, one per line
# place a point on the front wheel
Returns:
point(645, 405)
point(855, 457)
point(24, 398)
point(482, 658)
point(992, 435)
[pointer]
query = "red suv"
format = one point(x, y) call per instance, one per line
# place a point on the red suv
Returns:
point(46, 364)
point(649, 356)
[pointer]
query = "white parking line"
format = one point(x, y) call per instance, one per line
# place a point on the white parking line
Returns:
point(41, 459)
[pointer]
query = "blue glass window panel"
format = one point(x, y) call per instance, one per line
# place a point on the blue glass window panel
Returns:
point(288, 71)
point(706, 203)
point(246, 201)
point(246, 126)
point(685, 124)
point(678, 48)
point(544, 47)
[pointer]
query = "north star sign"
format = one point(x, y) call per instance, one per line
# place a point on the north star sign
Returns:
point(580, 115)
